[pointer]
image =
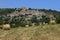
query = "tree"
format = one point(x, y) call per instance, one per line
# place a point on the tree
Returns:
point(58, 19)
point(45, 19)
point(35, 20)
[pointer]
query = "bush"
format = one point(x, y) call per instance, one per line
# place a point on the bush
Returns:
point(12, 25)
point(45, 19)
point(22, 23)
point(58, 19)
point(35, 20)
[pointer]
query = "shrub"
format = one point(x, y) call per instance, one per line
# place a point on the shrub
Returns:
point(58, 19)
point(12, 25)
point(22, 23)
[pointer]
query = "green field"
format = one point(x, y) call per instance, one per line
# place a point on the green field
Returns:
point(42, 32)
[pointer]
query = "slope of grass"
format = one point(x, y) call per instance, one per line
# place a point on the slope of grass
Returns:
point(43, 32)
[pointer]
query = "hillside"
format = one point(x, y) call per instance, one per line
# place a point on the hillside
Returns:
point(11, 10)
point(45, 32)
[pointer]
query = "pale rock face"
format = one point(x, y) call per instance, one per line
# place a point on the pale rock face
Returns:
point(6, 26)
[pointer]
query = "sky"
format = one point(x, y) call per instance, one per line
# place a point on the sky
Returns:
point(39, 4)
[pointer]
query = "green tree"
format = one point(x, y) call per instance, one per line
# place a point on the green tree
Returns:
point(35, 20)
point(45, 19)
point(58, 19)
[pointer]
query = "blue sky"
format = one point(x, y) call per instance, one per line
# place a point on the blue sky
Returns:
point(41, 4)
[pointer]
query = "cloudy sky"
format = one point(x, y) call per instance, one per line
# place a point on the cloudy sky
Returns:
point(41, 4)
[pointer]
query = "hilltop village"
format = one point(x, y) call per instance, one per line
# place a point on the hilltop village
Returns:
point(25, 16)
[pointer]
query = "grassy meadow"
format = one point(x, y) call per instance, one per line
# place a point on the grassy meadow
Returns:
point(42, 32)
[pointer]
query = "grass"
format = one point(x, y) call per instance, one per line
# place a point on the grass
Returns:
point(43, 32)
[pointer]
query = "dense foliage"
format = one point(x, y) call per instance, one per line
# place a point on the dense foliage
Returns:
point(6, 10)
point(58, 19)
